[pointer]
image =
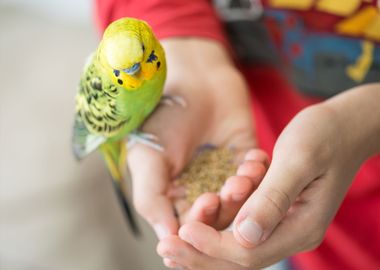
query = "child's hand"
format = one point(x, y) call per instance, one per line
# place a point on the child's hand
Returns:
point(314, 162)
point(217, 112)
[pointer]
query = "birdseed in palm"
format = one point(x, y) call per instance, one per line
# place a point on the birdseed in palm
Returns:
point(207, 172)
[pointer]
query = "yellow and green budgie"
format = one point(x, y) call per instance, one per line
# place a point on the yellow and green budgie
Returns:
point(121, 85)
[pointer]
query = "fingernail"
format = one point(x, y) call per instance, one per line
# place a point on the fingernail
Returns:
point(250, 231)
point(237, 197)
point(161, 231)
point(242, 170)
point(250, 155)
point(210, 211)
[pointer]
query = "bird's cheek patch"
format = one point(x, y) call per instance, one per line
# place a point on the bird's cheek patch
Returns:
point(147, 71)
point(129, 82)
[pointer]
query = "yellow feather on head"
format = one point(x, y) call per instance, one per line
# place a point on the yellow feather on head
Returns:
point(125, 52)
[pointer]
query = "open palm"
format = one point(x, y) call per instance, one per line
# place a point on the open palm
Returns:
point(218, 113)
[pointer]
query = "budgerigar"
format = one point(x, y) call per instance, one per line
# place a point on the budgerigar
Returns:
point(121, 85)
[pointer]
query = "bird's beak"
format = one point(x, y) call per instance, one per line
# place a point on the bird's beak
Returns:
point(132, 70)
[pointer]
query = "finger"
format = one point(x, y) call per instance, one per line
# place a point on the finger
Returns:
point(253, 170)
point(176, 191)
point(286, 240)
point(269, 203)
point(237, 189)
point(182, 254)
point(258, 155)
point(173, 265)
point(211, 242)
point(205, 209)
point(232, 196)
point(150, 188)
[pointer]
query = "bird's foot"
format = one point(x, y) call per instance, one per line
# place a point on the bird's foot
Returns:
point(171, 100)
point(147, 139)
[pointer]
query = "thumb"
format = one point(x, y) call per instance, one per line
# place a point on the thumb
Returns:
point(150, 180)
point(270, 202)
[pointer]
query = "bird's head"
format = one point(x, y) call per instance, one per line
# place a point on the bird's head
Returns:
point(125, 51)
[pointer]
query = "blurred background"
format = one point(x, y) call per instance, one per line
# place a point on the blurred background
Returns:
point(54, 213)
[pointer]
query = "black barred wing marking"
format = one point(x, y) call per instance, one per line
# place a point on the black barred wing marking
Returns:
point(96, 104)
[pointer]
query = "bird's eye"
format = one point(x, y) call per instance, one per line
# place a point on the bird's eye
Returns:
point(132, 70)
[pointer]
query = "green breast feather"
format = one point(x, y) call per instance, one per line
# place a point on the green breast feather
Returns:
point(106, 112)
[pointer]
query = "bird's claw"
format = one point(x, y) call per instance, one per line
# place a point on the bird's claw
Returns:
point(171, 100)
point(147, 139)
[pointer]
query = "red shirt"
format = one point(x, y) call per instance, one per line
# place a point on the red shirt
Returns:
point(352, 240)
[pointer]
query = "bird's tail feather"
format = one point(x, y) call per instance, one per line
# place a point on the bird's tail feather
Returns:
point(114, 154)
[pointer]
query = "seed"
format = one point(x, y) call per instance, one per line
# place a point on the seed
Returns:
point(208, 171)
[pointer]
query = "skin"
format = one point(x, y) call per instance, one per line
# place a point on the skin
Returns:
point(300, 200)
point(225, 121)
point(292, 205)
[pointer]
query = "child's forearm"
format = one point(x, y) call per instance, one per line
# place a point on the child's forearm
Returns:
point(359, 113)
